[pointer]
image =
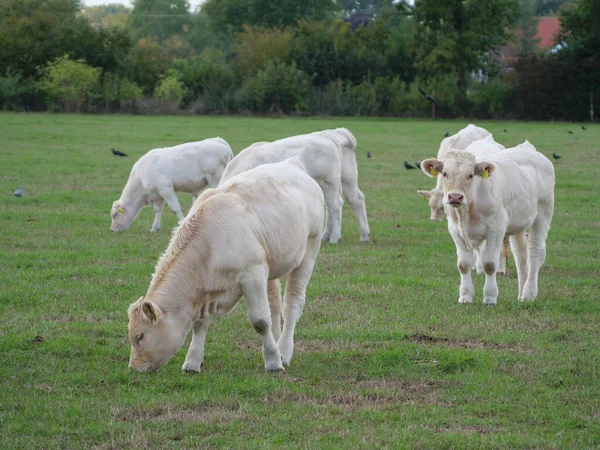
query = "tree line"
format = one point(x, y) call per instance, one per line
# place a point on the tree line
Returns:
point(343, 57)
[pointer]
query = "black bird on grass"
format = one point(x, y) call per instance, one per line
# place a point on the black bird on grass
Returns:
point(407, 166)
point(418, 164)
point(555, 156)
point(583, 128)
point(447, 134)
point(117, 152)
point(368, 154)
point(426, 96)
point(569, 131)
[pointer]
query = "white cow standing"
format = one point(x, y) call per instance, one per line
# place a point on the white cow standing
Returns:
point(238, 239)
point(458, 141)
point(330, 159)
point(157, 175)
point(503, 193)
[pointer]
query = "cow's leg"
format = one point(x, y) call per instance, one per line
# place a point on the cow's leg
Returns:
point(158, 209)
point(465, 261)
point(478, 263)
point(356, 200)
point(333, 224)
point(466, 258)
point(255, 291)
point(536, 250)
point(518, 244)
point(195, 355)
point(274, 292)
point(169, 195)
point(490, 257)
point(503, 267)
point(294, 299)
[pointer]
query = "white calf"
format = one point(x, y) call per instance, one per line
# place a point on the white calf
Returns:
point(238, 239)
point(503, 193)
point(157, 175)
point(323, 155)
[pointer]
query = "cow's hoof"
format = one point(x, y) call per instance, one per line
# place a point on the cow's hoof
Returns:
point(490, 301)
point(191, 367)
point(465, 299)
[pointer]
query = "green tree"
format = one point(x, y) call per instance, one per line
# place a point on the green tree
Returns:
point(229, 16)
point(458, 36)
point(527, 28)
point(580, 29)
point(147, 63)
point(159, 18)
point(109, 15)
point(256, 45)
point(33, 32)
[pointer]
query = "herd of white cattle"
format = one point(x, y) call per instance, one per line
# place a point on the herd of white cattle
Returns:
point(264, 220)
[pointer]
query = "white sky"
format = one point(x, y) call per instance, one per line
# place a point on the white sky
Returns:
point(193, 3)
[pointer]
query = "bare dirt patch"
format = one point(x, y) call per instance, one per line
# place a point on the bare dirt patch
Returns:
point(172, 413)
point(369, 395)
point(459, 343)
point(347, 401)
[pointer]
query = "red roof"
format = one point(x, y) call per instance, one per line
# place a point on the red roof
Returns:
point(548, 28)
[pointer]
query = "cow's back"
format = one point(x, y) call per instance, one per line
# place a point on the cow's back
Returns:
point(319, 155)
point(264, 214)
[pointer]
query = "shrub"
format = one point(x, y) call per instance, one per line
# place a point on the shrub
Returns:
point(200, 74)
point(70, 85)
point(11, 89)
point(278, 87)
point(492, 99)
point(169, 88)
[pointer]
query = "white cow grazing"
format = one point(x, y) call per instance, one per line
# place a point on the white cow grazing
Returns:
point(329, 158)
point(237, 239)
point(458, 141)
point(157, 175)
point(503, 193)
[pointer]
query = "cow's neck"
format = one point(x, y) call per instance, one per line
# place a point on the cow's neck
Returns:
point(175, 292)
point(134, 195)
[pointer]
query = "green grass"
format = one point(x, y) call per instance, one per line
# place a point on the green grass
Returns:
point(385, 357)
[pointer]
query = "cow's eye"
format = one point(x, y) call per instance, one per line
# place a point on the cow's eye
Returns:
point(444, 174)
point(470, 176)
point(139, 337)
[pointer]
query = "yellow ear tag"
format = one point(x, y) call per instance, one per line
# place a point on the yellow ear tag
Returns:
point(121, 210)
point(485, 174)
point(433, 172)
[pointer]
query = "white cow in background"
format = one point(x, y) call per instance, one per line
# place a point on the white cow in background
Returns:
point(486, 198)
point(458, 141)
point(157, 175)
point(237, 239)
point(329, 158)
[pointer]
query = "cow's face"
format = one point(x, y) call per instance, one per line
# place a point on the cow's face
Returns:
point(436, 204)
point(457, 170)
point(121, 217)
point(155, 335)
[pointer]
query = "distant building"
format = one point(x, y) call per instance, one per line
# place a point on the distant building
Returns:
point(544, 39)
point(547, 31)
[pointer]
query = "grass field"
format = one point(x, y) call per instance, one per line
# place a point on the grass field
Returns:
point(385, 357)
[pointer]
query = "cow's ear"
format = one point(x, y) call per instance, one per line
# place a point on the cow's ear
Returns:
point(150, 310)
point(484, 169)
point(432, 167)
point(425, 194)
